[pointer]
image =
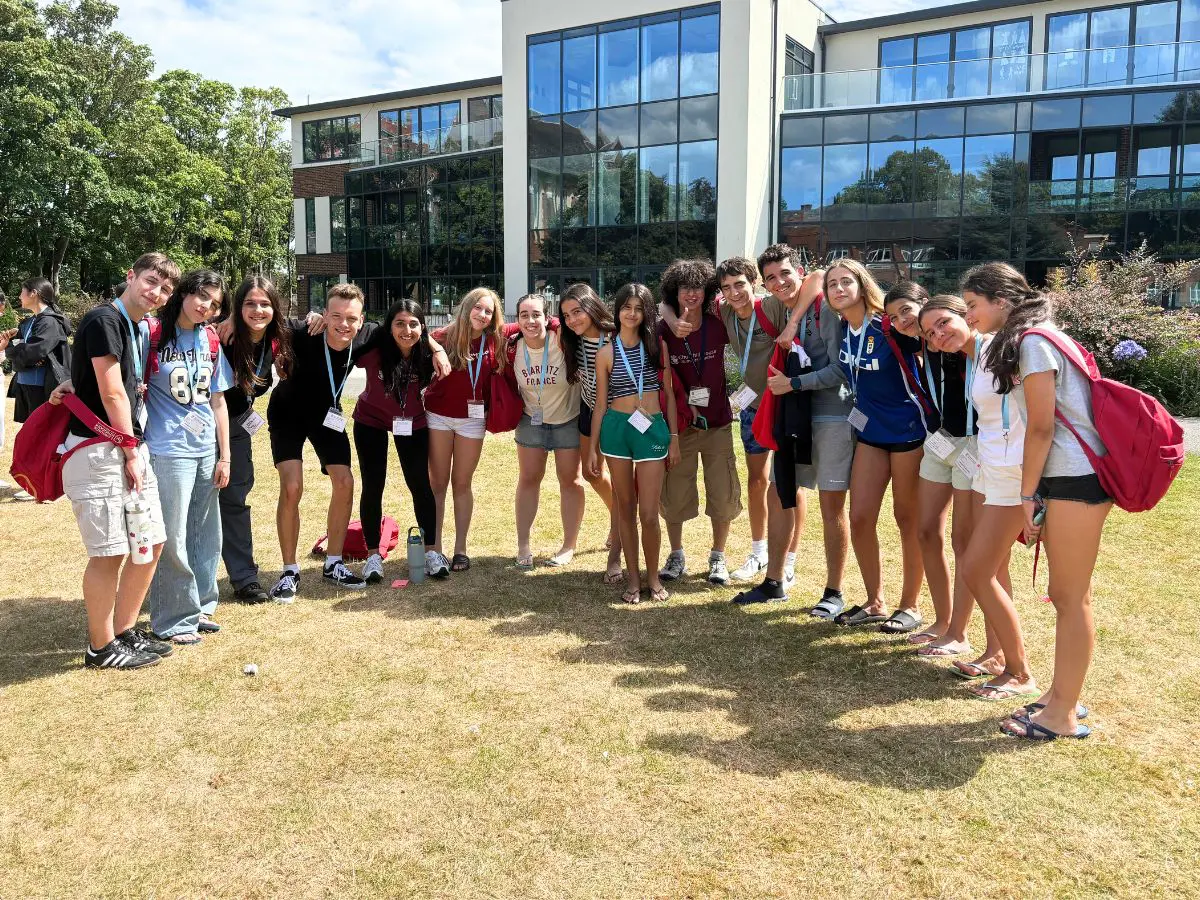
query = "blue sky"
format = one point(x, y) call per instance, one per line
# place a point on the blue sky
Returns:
point(328, 49)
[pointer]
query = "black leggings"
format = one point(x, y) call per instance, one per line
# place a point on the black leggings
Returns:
point(371, 444)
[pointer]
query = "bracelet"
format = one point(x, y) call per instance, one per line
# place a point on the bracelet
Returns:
point(1034, 499)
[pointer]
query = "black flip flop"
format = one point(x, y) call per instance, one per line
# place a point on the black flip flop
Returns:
point(460, 562)
point(828, 608)
point(856, 616)
point(1032, 731)
point(901, 621)
point(756, 595)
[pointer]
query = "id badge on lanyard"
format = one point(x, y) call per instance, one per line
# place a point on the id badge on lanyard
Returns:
point(251, 421)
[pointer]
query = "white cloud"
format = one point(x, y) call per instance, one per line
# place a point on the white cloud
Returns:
point(317, 49)
point(845, 11)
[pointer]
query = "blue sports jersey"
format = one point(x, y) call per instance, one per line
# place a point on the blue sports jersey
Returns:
point(881, 393)
point(186, 379)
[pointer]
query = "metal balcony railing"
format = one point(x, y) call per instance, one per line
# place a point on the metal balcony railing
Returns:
point(1140, 64)
point(460, 138)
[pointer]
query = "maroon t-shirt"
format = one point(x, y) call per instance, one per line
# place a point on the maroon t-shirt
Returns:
point(694, 371)
point(449, 396)
point(377, 406)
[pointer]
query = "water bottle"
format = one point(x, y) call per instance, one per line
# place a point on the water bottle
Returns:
point(138, 523)
point(416, 555)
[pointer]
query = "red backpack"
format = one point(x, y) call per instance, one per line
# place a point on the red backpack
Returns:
point(355, 545)
point(1144, 443)
point(36, 464)
point(155, 325)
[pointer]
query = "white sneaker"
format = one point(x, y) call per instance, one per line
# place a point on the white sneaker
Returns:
point(372, 572)
point(436, 565)
point(4, 485)
point(23, 495)
point(717, 573)
point(789, 579)
point(750, 569)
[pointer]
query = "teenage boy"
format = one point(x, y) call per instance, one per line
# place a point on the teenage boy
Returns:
point(107, 374)
point(698, 362)
point(820, 334)
point(306, 406)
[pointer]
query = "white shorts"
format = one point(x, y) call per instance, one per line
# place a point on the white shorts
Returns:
point(1000, 485)
point(94, 480)
point(471, 428)
point(944, 471)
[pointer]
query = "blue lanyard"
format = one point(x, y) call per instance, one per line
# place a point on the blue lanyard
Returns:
point(937, 396)
point(629, 369)
point(337, 391)
point(134, 336)
point(587, 370)
point(193, 376)
point(968, 380)
point(478, 368)
point(542, 371)
point(262, 357)
point(856, 359)
point(749, 337)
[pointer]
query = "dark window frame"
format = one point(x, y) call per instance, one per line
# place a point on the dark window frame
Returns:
point(350, 146)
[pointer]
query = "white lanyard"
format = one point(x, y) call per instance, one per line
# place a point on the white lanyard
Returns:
point(749, 337)
point(967, 382)
point(641, 379)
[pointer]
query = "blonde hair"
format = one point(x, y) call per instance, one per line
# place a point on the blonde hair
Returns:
point(347, 291)
point(458, 334)
point(869, 292)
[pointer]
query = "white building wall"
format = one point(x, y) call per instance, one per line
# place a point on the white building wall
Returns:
point(298, 226)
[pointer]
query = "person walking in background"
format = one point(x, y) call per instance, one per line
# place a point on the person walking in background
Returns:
point(260, 338)
point(5, 336)
point(188, 437)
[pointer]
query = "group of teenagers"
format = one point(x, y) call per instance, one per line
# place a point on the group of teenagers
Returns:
point(844, 389)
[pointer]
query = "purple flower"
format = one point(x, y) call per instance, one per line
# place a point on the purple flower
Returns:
point(1128, 350)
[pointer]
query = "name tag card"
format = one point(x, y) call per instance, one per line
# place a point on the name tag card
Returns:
point(744, 398)
point(335, 420)
point(857, 419)
point(475, 411)
point(251, 422)
point(640, 421)
point(536, 418)
point(940, 444)
point(698, 396)
point(194, 424)
point(967, 463)
point(402, 427)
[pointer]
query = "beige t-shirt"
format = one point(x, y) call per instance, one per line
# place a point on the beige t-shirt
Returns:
point(558, 401)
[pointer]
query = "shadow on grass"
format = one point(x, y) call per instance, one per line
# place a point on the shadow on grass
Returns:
point(809, 695)
point(43, 636)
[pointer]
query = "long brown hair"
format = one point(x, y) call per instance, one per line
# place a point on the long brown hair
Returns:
point(640, 294)
point(869, 290)
point(595, 309)
point(458, 334)
point(242, 351)
point(1001, 283)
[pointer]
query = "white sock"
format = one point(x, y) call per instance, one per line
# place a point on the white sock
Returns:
point(759, 549)
point(292, 568)
point(330, 560)
point(789, 561)
point(716, 554)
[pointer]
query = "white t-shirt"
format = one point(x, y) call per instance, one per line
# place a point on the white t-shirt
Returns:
point(998, 446)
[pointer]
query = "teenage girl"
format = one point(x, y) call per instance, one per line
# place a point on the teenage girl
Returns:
point(548, 424)
point(589, 327)
point(1057, 482)
point(39, 355)
point(998, 479)
point(891, 428)
point(455, 407)
point(260, 338)
point(398, 361)
point(634, 435)
point(953, 350)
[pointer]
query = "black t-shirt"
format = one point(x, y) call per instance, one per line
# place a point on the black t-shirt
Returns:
point(946, 373)
point(105, 332)
point(237, 402)
point(305, 394)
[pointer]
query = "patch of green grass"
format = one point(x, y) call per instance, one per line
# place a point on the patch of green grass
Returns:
point(526, 735)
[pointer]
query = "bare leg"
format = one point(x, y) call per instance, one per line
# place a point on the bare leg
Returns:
point(757, 484)
point(905, 480)
point(625, 502)
point(100, 597)
point(131, 592)
point(837, 536)
point(341, 503)
point(602, 485)
point(441, 455)
point(570, 496)
point(466, 459)
point(933, 504)
point(532, 464)
point(868, 480)
point(287, 511)
point(801, 510)
point(782, 526)
point(675, 535)
point(650, 477)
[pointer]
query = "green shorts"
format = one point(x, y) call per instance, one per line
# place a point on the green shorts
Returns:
point(621, 440)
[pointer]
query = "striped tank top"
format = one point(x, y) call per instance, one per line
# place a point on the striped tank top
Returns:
point(585, 355)
point(621, 385)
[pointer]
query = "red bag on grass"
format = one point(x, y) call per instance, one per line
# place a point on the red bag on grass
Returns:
point(36, 463)
point(355, 545)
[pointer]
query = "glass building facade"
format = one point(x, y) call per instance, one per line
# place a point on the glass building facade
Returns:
point(926, 192)
point(622, 148)
point(429, 231)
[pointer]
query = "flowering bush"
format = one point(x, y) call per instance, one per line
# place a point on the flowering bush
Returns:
point(1106, 306)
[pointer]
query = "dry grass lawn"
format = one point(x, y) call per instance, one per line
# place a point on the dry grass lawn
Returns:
point(512, 735)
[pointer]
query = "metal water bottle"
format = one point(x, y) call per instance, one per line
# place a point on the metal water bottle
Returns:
point(416, 555)
point(137, 526)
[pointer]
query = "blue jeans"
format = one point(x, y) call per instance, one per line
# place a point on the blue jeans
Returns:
point(746, 424)
point(185, 582)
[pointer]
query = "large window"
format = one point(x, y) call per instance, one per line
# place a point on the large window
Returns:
point(337, 224)
point(798, 59)
point(622, 144)
point(332, 139)
point(1133, 44)
point(310, 225)
point(420, 131)
point(968, 62)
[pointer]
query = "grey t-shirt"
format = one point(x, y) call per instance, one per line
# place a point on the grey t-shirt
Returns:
point(762, 345)
point(1073, 398)
point(821, 334)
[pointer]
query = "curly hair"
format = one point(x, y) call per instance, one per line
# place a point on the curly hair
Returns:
point(690, 273)
point(1028, 307)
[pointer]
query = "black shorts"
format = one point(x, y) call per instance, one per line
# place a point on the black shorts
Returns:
point(902, 447)
point(28, 398)
point(1080, 488)
point(585, 420)
point(289, 433)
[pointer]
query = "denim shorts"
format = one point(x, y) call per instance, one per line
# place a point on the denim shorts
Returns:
point(548, 437)
point(749, 444)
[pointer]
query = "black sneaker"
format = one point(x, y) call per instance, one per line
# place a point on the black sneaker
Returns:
point(285, 588)
point(141, 639)
point(251, 593)
point(118, 655)
point(342, 576)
